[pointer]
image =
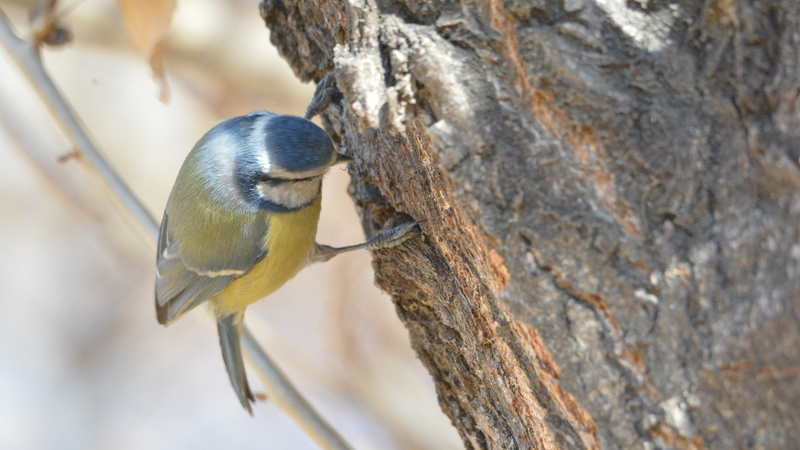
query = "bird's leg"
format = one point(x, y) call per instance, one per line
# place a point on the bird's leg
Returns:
point(325, 94)
point(385, 239)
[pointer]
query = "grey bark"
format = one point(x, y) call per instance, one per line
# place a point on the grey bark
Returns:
point(616, 181)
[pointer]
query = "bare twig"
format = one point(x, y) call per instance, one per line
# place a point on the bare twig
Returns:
point(281, 392)
point(27, 59)
point(279, 388)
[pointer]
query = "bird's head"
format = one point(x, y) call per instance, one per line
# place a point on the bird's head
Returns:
point(281, 160)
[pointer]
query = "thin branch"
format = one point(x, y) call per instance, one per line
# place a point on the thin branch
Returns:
point(281, 392)
point(26, 56)
point(279, 389)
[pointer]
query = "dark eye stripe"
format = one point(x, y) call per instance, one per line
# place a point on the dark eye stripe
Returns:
point(277, 181)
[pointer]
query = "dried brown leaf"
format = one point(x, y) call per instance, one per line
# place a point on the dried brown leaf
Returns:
point(147, 24)
point(45, 25)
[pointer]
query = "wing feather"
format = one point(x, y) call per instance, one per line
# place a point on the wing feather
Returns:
point(182, 285)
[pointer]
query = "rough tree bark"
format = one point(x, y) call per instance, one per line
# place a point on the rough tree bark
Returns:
point(610, 182)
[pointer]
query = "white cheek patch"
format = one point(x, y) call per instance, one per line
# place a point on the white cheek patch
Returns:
point(291, 195)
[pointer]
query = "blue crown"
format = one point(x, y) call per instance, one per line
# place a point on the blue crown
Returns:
point(297, 145)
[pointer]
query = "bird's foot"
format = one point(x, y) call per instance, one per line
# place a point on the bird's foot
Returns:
point(326, 93)
point(394, 236)
point(386, 239)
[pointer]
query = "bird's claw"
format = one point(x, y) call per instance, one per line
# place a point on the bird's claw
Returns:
point(326, 93)
point(394, 236)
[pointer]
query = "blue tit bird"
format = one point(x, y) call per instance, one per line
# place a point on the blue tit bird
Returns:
point(242, 220)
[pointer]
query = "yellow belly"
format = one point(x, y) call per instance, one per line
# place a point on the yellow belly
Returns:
point(288, 242)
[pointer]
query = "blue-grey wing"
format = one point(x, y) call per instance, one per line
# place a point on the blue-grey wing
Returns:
point(183, 280)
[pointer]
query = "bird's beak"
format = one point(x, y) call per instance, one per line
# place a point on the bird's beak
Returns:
point(342, 158)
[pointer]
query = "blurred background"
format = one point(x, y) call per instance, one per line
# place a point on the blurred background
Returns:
point(83, 363)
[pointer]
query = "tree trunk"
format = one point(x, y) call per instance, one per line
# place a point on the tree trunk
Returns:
point(610, 182)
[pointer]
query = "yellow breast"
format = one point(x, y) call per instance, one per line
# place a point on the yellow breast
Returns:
point(288, 242)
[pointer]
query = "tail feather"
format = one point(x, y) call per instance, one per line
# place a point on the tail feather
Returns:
point(230, 328)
